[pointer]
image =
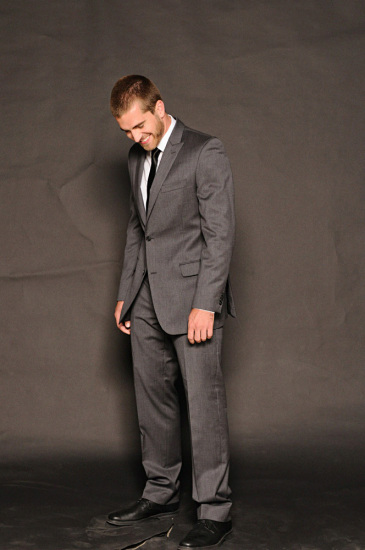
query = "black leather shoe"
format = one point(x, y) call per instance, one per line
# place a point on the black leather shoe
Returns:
point(143, 509)
point(206, 534)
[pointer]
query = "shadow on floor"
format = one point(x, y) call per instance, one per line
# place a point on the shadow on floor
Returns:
point(61, 504)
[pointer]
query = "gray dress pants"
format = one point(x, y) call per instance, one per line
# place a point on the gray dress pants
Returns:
point(157, 358)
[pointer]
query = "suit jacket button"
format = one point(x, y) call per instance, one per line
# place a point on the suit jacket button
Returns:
point(148, 238)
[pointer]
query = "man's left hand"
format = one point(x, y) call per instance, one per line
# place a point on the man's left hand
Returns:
point(200, 326)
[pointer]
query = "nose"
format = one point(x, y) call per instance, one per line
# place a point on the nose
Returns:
point(136, 135)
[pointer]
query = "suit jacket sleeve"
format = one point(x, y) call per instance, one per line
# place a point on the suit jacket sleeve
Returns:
point(132, 247)
point(216, 206)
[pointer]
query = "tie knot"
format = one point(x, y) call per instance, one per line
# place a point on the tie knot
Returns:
point(155, 153)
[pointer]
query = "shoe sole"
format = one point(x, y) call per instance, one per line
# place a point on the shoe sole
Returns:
point(117, 523)
point(206, 547)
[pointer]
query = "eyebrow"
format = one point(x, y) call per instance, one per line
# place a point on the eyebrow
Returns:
point(136, 126)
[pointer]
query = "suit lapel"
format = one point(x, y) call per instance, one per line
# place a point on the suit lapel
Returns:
point(138, 192)
point(136, 176)
point(169, 155)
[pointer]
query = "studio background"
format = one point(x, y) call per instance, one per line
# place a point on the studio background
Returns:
point(281, 84)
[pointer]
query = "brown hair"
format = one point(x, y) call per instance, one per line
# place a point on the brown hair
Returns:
point(131, 87)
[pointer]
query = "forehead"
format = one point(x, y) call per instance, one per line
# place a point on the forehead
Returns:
point(134, 116)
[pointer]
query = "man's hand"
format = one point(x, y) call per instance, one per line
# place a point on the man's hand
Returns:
point(200, 326)
point(126, 328)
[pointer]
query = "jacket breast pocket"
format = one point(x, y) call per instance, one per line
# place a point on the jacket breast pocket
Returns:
point(190, 269)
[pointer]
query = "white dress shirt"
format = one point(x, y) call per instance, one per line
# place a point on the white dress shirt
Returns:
point(147, 162)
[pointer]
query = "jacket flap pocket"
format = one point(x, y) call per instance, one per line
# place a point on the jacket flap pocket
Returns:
point(192, 268)
point(172, 185)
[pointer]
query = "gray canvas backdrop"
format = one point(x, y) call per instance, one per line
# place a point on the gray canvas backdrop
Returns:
point(281, 83)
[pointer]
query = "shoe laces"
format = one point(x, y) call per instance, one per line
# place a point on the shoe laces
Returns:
point(145, 501)
point(208, 524)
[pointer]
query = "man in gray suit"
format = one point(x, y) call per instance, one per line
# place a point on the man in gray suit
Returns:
point(173, 299)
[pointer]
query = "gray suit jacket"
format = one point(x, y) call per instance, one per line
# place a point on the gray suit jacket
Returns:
point(186, 238)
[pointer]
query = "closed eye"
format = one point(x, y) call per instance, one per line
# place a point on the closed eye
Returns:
point(134, 127)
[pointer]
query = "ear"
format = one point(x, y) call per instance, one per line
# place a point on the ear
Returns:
point(160, 108)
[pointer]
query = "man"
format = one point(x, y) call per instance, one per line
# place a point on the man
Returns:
point(174, 296)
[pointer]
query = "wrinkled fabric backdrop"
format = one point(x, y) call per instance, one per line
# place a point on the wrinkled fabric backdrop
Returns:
point(281, 83)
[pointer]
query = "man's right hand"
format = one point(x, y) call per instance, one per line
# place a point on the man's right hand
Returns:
point(124, 327)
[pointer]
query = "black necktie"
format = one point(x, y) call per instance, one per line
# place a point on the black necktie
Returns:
point(151, 175)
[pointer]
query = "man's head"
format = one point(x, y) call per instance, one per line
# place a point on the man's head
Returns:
point(129, 88)
point(137, 106)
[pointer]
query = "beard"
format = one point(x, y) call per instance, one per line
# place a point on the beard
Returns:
point(155, 136)
point(160, 129)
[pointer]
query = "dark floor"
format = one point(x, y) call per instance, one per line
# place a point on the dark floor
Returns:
point(61, 504)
